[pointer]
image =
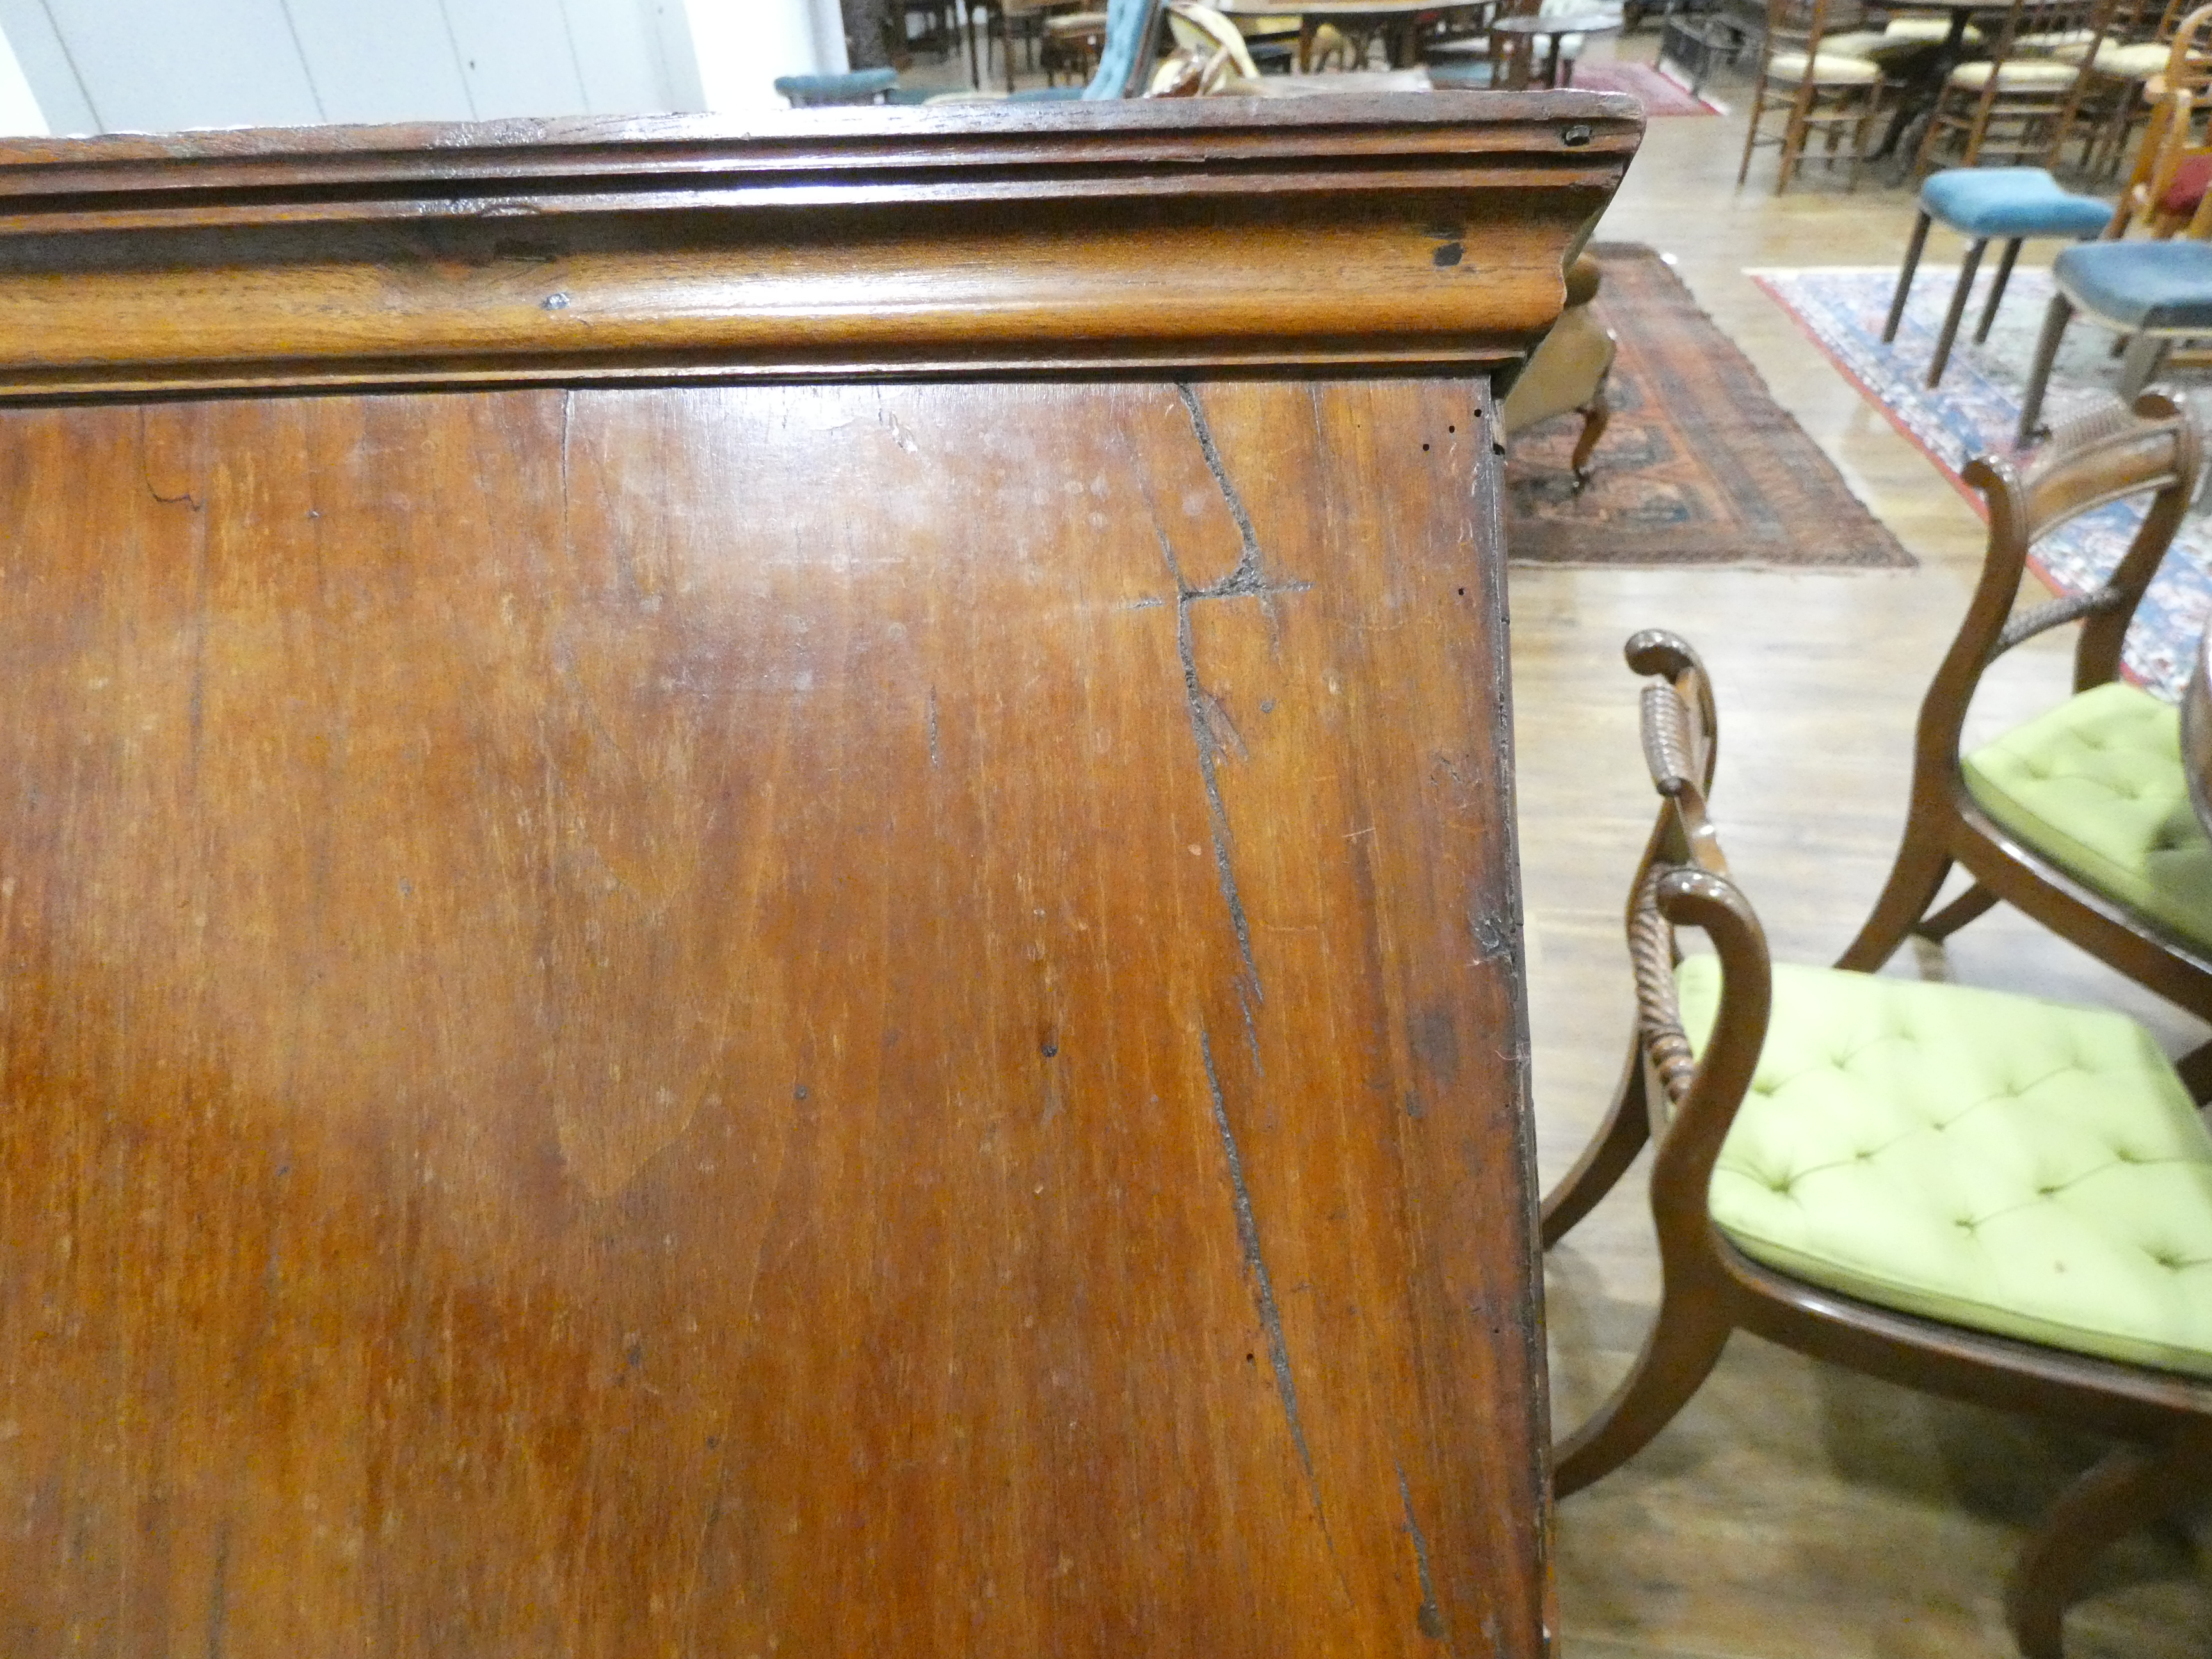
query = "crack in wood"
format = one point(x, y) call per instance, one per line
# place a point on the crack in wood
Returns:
point(1248, 1234)
point(1431, 1617)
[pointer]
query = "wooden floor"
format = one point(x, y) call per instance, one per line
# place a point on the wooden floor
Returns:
point(1792, 1511)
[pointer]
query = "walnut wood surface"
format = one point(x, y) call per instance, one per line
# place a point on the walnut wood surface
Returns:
point(862, 1016)
point(1369, 231)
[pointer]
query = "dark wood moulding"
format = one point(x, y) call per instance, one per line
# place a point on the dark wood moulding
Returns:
point(852, 242)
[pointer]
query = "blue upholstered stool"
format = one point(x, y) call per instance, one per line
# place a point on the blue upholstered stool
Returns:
point(2156, 292)
point(868, 86)
point(1990, 204)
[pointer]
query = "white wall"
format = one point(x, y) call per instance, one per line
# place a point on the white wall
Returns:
point(160, 66)
point(742, 45)
point(20, 115)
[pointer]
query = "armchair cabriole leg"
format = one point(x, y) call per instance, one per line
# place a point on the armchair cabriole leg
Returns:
point(1597, 414)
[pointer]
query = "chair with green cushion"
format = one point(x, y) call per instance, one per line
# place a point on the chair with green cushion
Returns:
point(1978, 1195)
point(2080, 816)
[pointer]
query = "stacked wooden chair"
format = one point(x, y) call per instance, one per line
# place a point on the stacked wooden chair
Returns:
point(1816, 92)
point(2015, 103)
point(1972, 1194)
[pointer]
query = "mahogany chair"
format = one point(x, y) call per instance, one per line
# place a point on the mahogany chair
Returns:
point(2079, 816)
point(1977, 1194)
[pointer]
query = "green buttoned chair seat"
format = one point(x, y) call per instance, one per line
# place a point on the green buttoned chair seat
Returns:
point(2096, 786)
point(1991, 1161)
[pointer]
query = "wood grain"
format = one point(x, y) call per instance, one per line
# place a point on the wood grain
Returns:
point(835, 1020)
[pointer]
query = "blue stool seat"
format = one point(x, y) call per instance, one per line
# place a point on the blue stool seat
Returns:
point(857, 87)
point(2140, 285)
point(2002, 203)
point(1989, 204)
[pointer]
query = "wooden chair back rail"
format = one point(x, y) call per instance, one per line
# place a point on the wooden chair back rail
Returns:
point(2044, 617)
point(2102, 456)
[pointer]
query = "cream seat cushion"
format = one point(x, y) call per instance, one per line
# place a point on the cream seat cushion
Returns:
point(2096, 786)
point(1927, 29)
point(2136, 60)
point(2019, 75)
point(1992, 1161)
point(1824, 71)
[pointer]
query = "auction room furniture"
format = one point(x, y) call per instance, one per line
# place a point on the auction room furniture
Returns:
point(1398, 23)
point(2081, 817)
point(2013, 104)
point(1559, 27)
point(2154, 293)
point(1567, 373)
point(1978, 1195)
point(1812, 91)
point(742, 911)
point(2008, 205)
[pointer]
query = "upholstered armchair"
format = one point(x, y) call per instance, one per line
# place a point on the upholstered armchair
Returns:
point(1567, 373)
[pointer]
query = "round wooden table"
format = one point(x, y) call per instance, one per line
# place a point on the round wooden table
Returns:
point(1532, 29)
point(1394, 19)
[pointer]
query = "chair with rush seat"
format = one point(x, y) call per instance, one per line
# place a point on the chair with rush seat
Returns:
point(2081, 817)
point(1972, 1194)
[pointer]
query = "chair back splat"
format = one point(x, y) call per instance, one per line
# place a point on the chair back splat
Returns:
point(1980, 1195)
point(2081, 817)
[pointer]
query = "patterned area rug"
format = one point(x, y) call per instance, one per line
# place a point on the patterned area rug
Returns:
point(1660, 94)
point(1976, 408)
point(1699, 466)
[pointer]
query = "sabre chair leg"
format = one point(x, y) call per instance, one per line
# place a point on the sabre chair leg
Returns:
point(1976, 900)
point(1913, 881)
point(1967, 267)
point(1678, 1355)
point(1996, 290)
point(1627, 1126)
point(1751, 133)
point(1904, 276)
point(2039, 375)
point(2129, 1488)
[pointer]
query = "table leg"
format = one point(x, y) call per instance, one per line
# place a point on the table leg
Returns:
point(1551, 68)
point(1921, 101)
point(1305, 42)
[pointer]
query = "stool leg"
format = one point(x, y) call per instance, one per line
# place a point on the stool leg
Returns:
point(2046, 353)
point(1904, 276)
point(1996, 290)
point(2145, 353)
point(1951, 318)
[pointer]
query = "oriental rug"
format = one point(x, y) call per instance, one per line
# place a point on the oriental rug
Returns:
point(1660, 94)
point(1700, 465)
point(1976, 408)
